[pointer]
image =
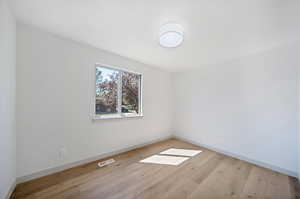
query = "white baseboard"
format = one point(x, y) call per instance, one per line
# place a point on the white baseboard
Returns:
point(85, 161)
point(11, 189)
point(234, 155)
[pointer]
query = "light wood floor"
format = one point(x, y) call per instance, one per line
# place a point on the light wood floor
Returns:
point(209, 175)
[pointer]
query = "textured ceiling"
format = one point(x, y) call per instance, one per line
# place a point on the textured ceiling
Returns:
point(215, 30)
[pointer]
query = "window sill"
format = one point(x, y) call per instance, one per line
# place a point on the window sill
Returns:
point(115, 116)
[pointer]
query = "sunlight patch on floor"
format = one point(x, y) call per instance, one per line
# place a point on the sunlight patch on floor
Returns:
point(181, 152)
point(163, 159)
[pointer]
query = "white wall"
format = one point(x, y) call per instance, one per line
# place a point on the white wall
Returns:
point(55, 89)
point(7, 99)
point(298, 73)
point(246, 107)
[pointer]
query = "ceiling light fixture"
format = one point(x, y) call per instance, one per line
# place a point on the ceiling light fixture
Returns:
point(170, 35)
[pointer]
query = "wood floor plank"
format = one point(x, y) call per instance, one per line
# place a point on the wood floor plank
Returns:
point(279, 184)
point(209, 175)
point(64, 180)
point(239, 176)
point(164, 187)
point(217, 184)
point(294, 188)
point(256, 185)
point(184, 184)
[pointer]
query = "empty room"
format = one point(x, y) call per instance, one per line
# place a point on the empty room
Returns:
point(149, 99)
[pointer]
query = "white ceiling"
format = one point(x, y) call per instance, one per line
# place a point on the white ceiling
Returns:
point(215, 30)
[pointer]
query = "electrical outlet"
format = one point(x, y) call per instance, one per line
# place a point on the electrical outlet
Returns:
point(62, 153)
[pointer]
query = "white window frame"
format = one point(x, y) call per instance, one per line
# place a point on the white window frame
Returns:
point(119, 114)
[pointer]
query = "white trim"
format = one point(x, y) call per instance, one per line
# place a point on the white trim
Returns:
point(108, 116)
point(234, 155)
point(85, 161)
point(119, 114)
point(131, 115)
point(115, 116)
point(116, 68)
point(106, 155)
point(11, 189)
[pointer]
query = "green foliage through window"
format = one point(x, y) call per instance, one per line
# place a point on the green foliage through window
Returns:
point(117, 92)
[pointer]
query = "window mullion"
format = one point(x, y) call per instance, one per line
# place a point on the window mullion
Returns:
point(140, 95)
point(120, 93)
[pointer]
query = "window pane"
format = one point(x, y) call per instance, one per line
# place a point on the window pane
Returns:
point(130, 92)
point(106, 90)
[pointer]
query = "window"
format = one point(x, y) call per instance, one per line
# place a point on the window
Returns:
point(118, 93)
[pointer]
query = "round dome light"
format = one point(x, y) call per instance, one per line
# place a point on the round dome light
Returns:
point(170, 35)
